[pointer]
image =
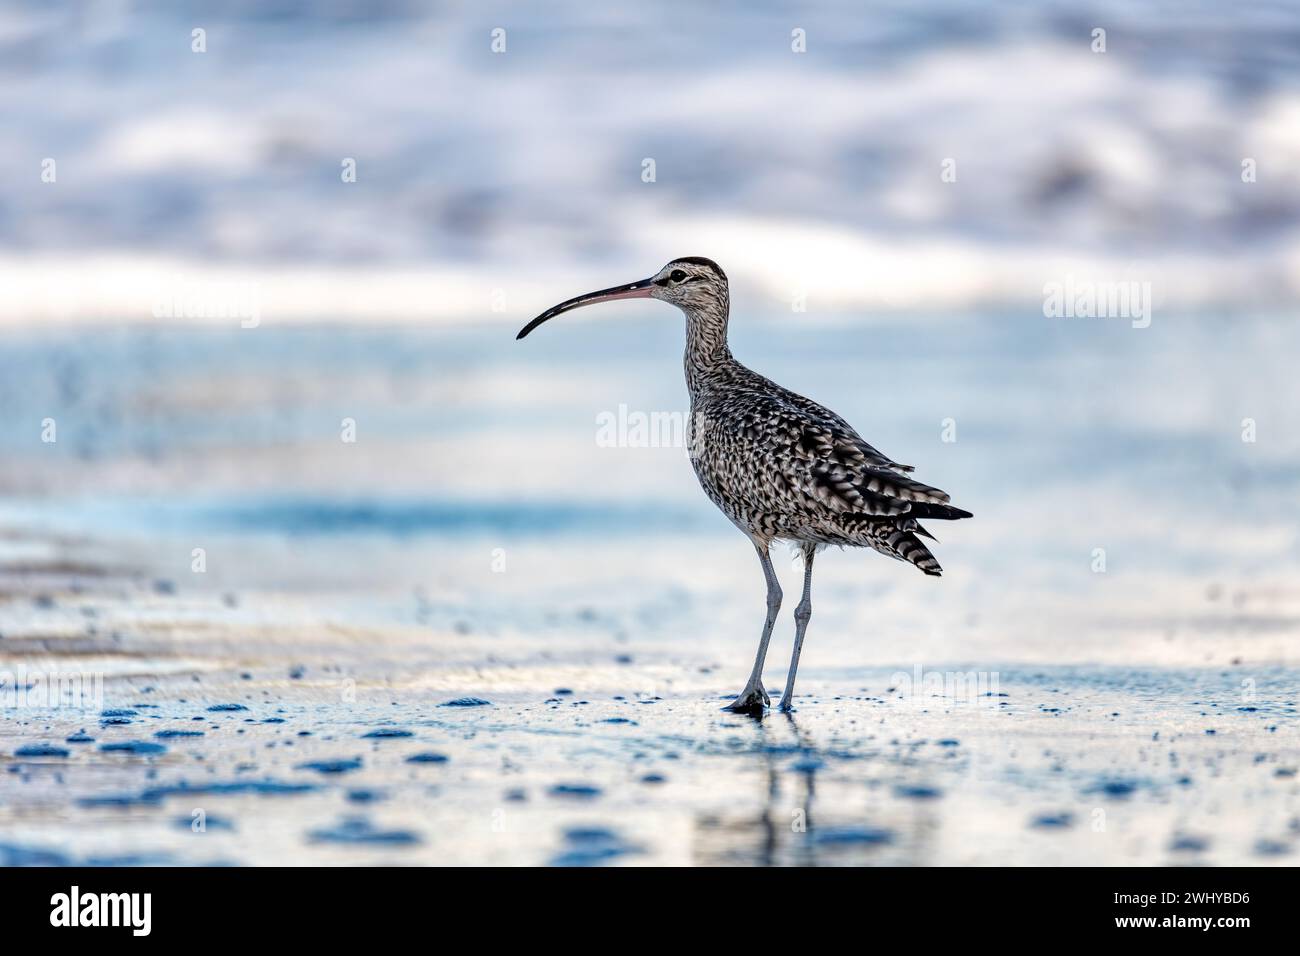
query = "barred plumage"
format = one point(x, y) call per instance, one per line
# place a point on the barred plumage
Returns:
point(779, 465)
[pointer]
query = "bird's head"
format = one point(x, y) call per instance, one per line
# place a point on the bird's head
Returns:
point(691, 283)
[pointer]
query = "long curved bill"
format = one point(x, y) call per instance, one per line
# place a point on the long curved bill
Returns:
point(635, 290)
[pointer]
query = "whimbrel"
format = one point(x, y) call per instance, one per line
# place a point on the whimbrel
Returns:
point(780, 466)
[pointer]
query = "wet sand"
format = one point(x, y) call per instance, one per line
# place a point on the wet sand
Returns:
point(229, 734)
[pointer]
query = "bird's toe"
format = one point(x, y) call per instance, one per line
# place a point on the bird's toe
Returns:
point(752, 701)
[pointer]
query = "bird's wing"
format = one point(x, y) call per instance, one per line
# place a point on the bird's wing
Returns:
point(832, 467)
point(819, 413)
point(822, 464)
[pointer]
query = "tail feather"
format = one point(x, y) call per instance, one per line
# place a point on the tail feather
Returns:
point(924, 509)
point(898, 536)
point(917, 529)
point(905, 546)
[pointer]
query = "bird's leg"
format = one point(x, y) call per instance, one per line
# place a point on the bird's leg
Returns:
point(754, 698)
point(801, 615)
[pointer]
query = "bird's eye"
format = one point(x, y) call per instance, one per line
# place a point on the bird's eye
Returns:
point(678, 275)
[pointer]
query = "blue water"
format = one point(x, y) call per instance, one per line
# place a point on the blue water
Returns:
point(464, 430)
point(306, 516)
point(466, 156)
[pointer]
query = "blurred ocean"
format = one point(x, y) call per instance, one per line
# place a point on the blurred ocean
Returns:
point(511, 179)
point(1071, 435)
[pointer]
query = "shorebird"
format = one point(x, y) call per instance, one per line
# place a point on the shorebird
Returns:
point(780, 466)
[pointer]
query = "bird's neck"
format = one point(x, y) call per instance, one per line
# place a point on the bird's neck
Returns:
point(706, 341)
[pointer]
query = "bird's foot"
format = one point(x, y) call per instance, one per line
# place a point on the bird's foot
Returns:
point(786, 706)
point(753, 700)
